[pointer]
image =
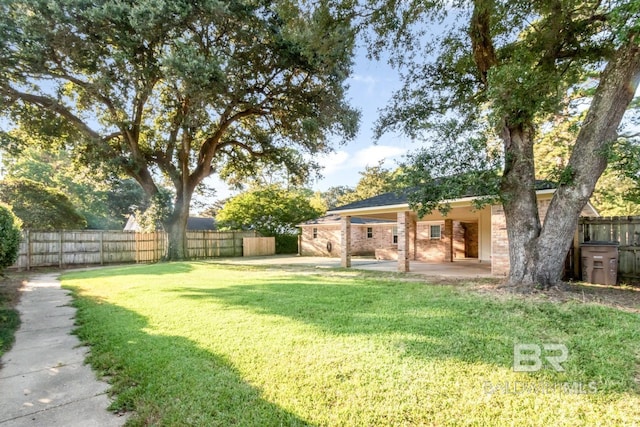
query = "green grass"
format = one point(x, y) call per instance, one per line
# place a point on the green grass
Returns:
point(9, 316)
point(201, 344)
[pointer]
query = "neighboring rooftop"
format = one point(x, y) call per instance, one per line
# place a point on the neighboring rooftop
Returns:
point(196, 223)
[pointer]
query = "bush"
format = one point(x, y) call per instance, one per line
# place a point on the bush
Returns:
point(287, 244)
point(40, 207)
point(10, 237)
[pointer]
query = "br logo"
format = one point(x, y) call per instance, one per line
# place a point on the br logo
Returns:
point(528, 357)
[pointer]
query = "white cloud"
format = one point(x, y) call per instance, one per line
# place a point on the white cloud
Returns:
point(367, 80)
point(342, 168)
point(333, 161)
point(373, 154)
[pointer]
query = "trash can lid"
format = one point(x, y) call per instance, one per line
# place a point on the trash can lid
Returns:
point(599, 243)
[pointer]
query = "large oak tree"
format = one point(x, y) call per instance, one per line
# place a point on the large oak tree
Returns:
point(488, 70)
point(179, 90)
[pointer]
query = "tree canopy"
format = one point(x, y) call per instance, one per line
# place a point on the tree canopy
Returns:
point(504, 71)
point(271, 210)
point(105, 200)
point(617, 192)
point(40, 207)
point(176, 91)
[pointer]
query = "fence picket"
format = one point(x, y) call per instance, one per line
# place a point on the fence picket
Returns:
point(624, 230)
point(88, 247)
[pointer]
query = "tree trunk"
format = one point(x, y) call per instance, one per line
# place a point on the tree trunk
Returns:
point(177, 229)
point(537, 254)
point(519, 200)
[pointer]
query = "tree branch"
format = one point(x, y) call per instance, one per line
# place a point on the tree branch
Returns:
point(86, 86)
point(53, 106)
point(484, 53)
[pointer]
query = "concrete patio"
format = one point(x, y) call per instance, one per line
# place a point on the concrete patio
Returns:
point(456, 269)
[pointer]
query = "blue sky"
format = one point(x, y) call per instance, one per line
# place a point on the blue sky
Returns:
point(371, 86)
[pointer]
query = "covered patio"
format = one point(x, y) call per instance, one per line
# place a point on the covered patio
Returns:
point(461, 238)
point(456, 269)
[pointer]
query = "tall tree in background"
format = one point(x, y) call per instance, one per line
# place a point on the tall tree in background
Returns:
point(506, 68)
point(271, 210)
point(180, 90)
point(616, 192)
point(374, 180)
point(40, 207)
point(104, 199)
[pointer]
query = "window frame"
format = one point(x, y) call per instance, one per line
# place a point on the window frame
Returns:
point(431, 236)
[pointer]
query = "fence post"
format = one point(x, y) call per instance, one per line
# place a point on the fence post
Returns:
point(102, 247)
point(233, 239)
point(206, 245)
point(60, 248)
point(28, 237)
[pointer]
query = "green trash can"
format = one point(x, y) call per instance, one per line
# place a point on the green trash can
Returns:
point(599, 262)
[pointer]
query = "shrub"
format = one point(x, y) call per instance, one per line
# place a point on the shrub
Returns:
point(10, 237)
point(286, 243)
point(40, 207)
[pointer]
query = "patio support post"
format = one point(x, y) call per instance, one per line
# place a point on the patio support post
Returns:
point(404, 238)
point(413, 229)
point(448, 240)
point(345, 242)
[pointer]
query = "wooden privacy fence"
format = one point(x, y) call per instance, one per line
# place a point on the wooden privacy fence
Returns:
point(91, 247)
point(259, 246)
point(626, 231)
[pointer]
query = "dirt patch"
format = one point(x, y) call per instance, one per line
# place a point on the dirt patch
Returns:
point(9, 318)
point(620, 297)
point(10, 285)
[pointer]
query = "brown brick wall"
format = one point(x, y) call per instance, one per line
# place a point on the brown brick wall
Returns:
point(458, 240)
point(318, 246)
point(360, 243)
point(363, 245)
point(500, 240)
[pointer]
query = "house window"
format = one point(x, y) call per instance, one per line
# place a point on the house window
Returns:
point(315, 233)
point(395, 235)
point(369, 232)
point(435, 232)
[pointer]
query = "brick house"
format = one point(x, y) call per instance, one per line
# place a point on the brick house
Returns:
point(321, 237)
point(385, 227)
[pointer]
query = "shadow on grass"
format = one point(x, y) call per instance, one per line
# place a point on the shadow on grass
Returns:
point(441, 322)
point(169, 380)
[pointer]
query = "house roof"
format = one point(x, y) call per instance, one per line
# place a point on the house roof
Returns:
point(201, 223)
point(333, 219)
point(401, 198)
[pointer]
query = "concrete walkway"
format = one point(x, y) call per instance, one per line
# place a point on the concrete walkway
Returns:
point(43, 379)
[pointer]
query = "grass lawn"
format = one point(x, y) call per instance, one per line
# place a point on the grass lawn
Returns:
point(9, 317)
point(205, 344)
